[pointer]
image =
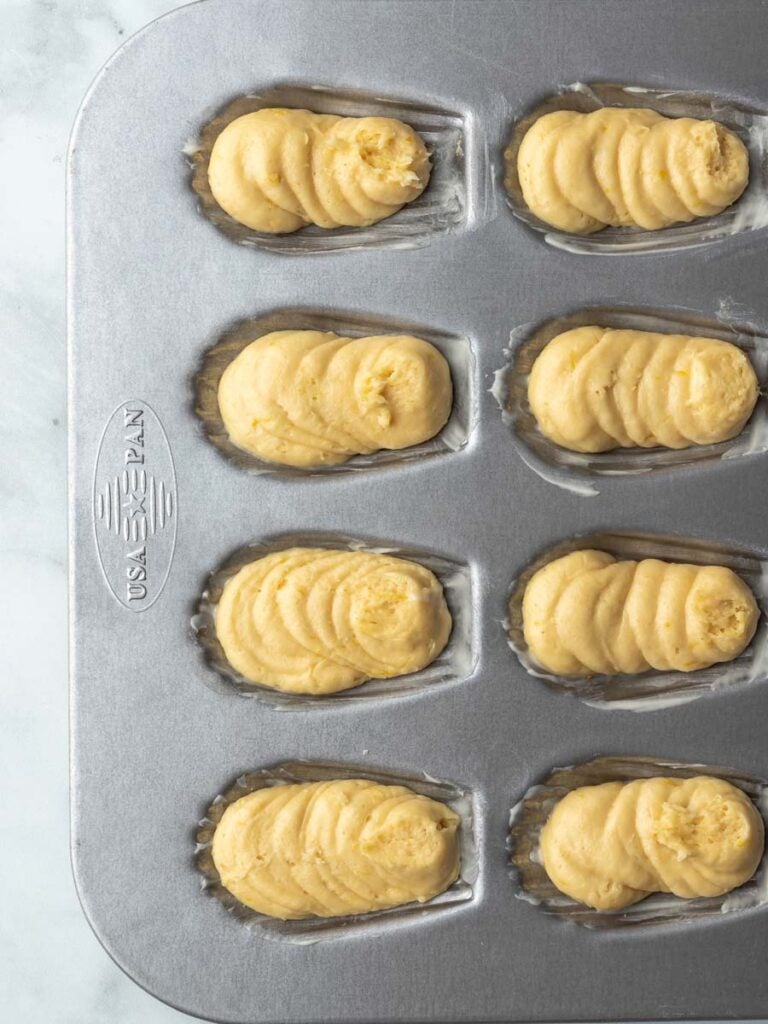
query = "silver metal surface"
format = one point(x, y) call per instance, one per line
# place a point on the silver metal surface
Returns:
point(153, 285)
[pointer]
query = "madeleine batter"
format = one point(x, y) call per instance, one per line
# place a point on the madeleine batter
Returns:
point(277, 170)
point(587, 613)
point(309, 398)
point(628, 167)
point(319, 620)
point(592, 389)
point(611, 845)
point(326, 849)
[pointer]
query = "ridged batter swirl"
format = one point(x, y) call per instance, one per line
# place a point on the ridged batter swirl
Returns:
point(628, 167)
point(278, 169)
point(327, 849)
point(587, 613)
point(313, 398)
point(611, 845)
point(592, 389)
point(317, 620)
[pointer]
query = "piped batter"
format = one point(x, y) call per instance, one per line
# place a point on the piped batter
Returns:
point(628, 167)
point(328, 849)
point(611, 845)
point(587, 613)
point(313, 398)
point(320, 620)
point(592, 389)
point(277, 170)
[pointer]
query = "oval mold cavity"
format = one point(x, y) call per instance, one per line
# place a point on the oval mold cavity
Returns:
point(456, 349)
point(441, 207)
point(455, 664)
point(528, 817)
point(581, 471)
point(746, 214)
point(310, 930)
point(651, 690)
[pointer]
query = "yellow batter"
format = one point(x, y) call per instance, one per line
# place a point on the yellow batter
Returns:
point(593, 388)
point(308, 398)
point(628, 167)
point(277, 170)
point(317, 620)
point(612, 845)
point(326, 849)
point(587, 613)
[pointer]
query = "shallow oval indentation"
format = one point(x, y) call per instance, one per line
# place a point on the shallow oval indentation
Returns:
point(309, 930)
point(442, 207)
point(456, 349)
point(652, 690)
point(135, 505)
point(528, 817)
point(746, 214)
point(454, 664)
point(580, 471)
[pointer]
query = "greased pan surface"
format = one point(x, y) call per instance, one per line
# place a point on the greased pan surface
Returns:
point(153, 285)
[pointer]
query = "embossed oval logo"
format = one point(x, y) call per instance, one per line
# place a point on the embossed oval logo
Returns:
point(135, 505)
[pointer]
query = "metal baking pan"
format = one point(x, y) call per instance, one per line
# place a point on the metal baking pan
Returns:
point(155, 508)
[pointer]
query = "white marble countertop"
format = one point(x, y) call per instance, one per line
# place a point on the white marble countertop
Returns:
point(53, 969)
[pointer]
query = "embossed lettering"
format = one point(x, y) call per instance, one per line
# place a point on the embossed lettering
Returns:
point(134, 505)
point(136, 573)
point(139, 555)
point(133, 417)
point(134, 438)
point(132, 457)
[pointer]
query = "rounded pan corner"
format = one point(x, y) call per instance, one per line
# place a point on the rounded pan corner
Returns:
point(111, 947)
point(114, 58)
